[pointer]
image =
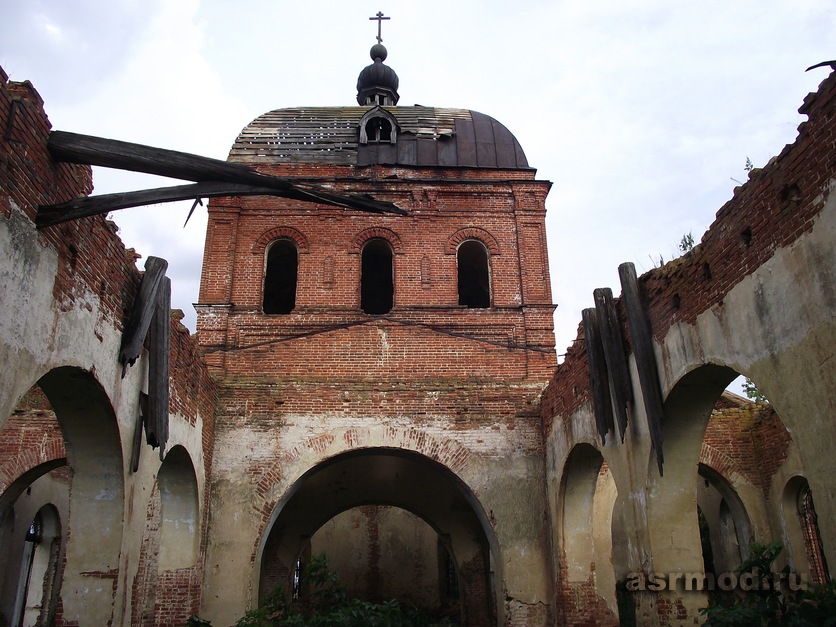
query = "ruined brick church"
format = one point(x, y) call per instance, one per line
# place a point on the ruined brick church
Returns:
point(381, 385)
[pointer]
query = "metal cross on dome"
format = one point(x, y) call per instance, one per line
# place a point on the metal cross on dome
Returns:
point(379, 17)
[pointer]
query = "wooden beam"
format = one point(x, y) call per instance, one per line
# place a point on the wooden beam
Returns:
point(156, 427)
point(613, 345)
point(49, 215)
point(642, 341)
point(597, 374)
point(142, 312)
point(111, 153)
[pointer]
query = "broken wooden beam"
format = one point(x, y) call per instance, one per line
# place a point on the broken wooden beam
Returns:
point(642, 341)
point(613, 345)
point(598, 379)
point(111, 153)
point(156, 427)
point(133, 337)
point(50, 215)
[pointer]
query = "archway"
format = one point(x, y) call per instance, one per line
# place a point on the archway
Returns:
point(729, 527)
point(88, 427)
point(802, 537)
point(587, 499)
point(39, 583)
point(395, 478)
point(380, 552)
point(712, 442)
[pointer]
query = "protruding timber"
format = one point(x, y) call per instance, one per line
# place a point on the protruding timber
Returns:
point(597, 374)
point(212, 173)
point(156, 426)
point(613, 345)
point(142, 312)
point(642, 341)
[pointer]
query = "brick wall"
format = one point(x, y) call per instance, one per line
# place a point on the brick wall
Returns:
point(30, 437)
point(427, 333)
point(748, 438)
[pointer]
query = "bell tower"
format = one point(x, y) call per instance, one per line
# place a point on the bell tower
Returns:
point(386, 345)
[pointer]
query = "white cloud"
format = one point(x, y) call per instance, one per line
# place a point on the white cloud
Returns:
point(641, 112)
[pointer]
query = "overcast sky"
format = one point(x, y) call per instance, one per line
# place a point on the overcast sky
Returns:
point(641, 112)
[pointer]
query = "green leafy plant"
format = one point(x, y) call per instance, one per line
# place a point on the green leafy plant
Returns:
point(767, 606)
point(687, 242)
point(327, 604)
point(752, 391)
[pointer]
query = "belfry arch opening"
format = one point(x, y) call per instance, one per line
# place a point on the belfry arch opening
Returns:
point(410, 494)
point(473, 275)
point(377, 286)
point(280, 277)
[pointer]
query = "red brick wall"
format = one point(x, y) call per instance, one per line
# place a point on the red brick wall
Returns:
point(30, 437)
point(434, 336)
point(750, 439)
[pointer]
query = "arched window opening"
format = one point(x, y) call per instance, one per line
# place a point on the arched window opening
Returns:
point(474, 276)
point(809, 521)
point(377, 288)
point(280, 277)
point(448, 578)
point(37, 594)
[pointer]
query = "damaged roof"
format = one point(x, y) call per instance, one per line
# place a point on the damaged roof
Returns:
point(425, 136)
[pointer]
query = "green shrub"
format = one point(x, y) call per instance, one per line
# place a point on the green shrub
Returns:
point(768, 607)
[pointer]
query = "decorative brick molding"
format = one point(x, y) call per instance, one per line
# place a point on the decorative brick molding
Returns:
point(472, 232)
point(281, 232)
point(376, 233)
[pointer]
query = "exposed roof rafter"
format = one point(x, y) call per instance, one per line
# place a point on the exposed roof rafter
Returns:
point(212, 177)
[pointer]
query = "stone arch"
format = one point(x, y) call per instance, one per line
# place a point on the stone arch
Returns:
point(281, 232)
point(25, 467)
point(179, 509)
point(472, 232)
point(92, 442)
point(376, 232)
point(39, 586)
point(729, 524)
point(672, 498)
point(802, 536)
point(587, 498)
point(394, 477)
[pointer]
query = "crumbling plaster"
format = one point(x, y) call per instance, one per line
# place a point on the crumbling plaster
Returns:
point(505, 487)
point(40, 335)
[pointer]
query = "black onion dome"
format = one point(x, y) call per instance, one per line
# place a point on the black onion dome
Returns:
point(377, 79)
